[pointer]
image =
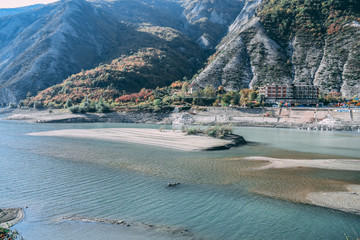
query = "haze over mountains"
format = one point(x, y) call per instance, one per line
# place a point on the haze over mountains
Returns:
point(130, 44)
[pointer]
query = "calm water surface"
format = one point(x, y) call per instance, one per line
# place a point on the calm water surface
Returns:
point(58, 178)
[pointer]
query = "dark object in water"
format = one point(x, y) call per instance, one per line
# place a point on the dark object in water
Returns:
point(173, 184)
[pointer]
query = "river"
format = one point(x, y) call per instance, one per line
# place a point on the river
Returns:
point(59, 178)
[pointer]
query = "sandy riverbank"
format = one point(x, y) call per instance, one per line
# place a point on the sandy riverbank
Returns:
point(10, 216)
point(164, 138)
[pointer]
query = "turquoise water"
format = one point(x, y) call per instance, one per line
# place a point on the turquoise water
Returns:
point(58, 178)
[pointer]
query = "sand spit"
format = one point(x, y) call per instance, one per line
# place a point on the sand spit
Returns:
point(334, 164)
point(345, 201)
point(164, 138)
point(10, 216)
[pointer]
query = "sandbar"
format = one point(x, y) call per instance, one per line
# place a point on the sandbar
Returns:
point(348, 200)
point(345, 201)
point(164, 138)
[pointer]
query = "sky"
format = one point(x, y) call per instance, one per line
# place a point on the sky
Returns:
point(21, 3)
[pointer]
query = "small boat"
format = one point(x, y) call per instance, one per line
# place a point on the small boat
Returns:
point(173, 184)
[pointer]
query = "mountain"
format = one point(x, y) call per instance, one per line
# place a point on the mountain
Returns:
point(173, 57)
point(44, 46)
point(13, 11)
point(125, 45)
point(305, 42)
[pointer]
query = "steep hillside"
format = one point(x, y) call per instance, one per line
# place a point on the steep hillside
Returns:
point(313, 42)
point(173, 57)
point(51, 43)
point(207, 21)
point(43, 46)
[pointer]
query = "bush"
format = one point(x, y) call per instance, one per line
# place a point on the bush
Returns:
point(74, 109)
point(102, 107)
point(157, 102)
point(192, 130)
point(218, 131)
point(68, 103)
point(21, 104)
point(8, 234)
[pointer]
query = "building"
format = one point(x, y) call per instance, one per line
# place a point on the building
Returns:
point(290, 93)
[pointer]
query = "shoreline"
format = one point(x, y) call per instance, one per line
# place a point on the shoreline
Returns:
point(319, 119)
point(11, 216)
point(154, 137)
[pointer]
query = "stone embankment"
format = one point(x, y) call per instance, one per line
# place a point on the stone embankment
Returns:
point(301, 118)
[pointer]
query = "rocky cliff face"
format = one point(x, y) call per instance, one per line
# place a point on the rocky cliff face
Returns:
point(207, 21)
point(246, 56)
point(252, 55)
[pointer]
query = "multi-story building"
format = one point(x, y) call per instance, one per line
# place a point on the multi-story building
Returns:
point(290, 93)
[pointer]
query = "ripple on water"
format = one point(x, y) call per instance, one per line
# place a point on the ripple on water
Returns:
point(99, 179)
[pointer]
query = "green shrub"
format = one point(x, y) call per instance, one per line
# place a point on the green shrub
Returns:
point(157, 102)
point(9, 234)
point(102, 107)
point(192, 130)
point(68, 103)
point(218, 131)
point(74, 109)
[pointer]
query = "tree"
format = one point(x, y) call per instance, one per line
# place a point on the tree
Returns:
point(209, 91)
point(185, 87)
point(225, 100)
point(252, 95)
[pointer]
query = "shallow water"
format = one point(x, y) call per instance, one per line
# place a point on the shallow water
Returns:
point(63, 177)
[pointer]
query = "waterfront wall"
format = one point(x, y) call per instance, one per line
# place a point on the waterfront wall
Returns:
point(327, 118)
